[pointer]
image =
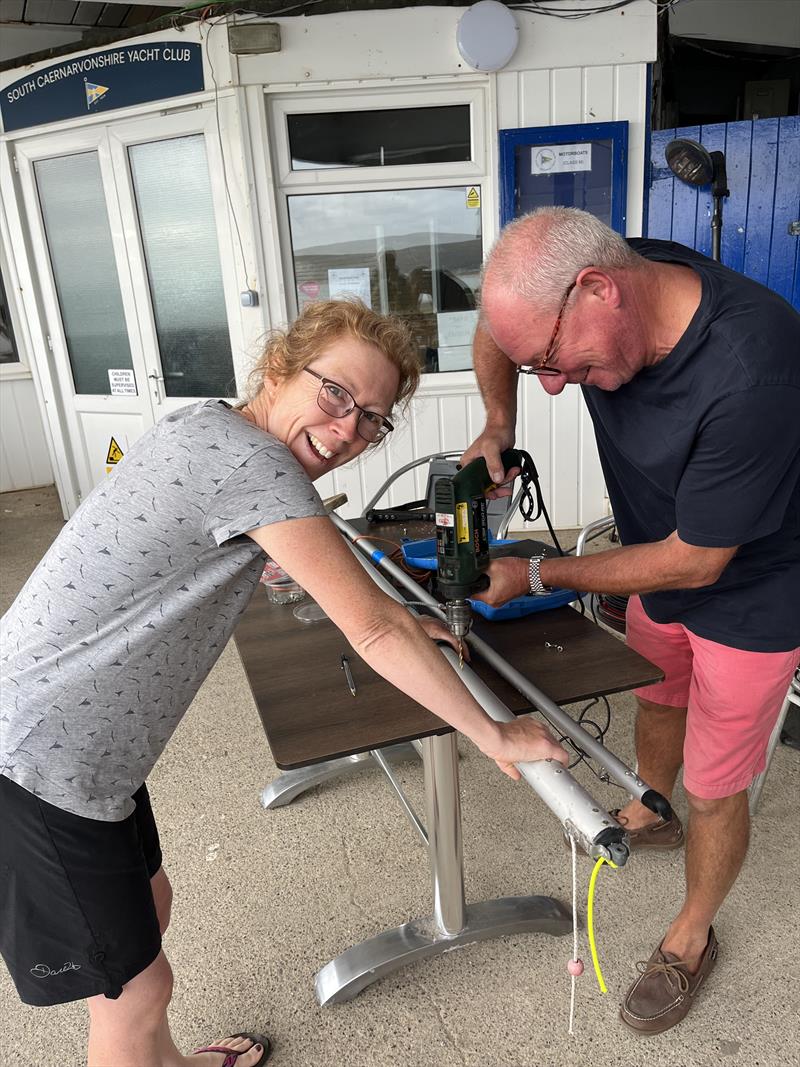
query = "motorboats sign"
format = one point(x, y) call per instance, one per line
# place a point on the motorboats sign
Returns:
point(103, 81)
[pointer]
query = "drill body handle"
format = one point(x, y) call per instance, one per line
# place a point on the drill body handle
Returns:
point(475, 478)
point(462, 532)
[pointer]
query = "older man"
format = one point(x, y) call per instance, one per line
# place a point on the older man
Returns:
point(691, 373)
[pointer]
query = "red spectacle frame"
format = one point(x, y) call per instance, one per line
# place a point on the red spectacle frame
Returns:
point(541, 367)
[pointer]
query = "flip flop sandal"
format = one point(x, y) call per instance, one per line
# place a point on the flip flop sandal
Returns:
point(233, 1055)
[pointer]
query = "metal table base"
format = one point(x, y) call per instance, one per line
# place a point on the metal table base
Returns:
point(452, 924)
point(291, 784)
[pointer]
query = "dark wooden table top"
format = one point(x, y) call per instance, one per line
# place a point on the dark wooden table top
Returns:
point(309, 714)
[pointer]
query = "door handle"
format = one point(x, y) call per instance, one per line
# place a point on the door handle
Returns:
point(158, 386)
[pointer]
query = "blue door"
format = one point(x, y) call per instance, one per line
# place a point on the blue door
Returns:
point(761, 217)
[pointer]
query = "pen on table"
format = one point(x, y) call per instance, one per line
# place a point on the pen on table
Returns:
point(351, 685)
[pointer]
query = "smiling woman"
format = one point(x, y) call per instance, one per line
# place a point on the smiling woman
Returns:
point(177, 536)
point(364, 364)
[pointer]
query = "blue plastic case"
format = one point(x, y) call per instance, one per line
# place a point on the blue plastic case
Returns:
point(423, 554)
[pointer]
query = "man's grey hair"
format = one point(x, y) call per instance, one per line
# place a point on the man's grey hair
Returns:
point(539, 255)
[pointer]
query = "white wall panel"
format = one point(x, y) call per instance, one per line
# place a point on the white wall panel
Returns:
point(566, 102)
point(24, 461)
point(597, 104)
point(535, 95)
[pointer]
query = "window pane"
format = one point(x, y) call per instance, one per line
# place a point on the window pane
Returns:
point(390, 136)
point(413, 252)
point(79, 239)
point(8, 349)
point(176, 216)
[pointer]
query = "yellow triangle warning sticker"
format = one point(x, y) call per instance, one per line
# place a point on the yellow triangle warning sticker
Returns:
point(114, 452)
point(473, 197)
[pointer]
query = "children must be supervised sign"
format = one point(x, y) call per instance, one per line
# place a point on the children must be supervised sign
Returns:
point(103, 81)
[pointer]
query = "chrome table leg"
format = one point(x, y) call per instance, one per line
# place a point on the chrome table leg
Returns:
point(453, 924)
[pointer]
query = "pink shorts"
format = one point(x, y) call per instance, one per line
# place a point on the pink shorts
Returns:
point(733, 699)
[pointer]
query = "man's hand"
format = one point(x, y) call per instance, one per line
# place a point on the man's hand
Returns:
point(524, 740)
point(508, 577)
point(489, 445)
point(437, 631)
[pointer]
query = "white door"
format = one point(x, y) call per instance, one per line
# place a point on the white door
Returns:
point(126, 242)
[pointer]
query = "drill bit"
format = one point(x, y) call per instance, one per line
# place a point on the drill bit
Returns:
point(460, 654)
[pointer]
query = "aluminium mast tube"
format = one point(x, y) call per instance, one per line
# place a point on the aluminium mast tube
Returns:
point(593, 828)
point(621, 774)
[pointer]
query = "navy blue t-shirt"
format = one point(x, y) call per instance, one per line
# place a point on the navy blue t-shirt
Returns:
point(707, 442)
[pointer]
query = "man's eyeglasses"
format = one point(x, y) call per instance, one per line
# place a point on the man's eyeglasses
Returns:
point(337, 401)
point(542, 367)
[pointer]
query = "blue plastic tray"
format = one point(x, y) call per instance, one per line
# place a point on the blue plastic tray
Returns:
point(423, 554)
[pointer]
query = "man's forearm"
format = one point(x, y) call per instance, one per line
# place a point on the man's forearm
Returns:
point(668, 564)
point(497, 380)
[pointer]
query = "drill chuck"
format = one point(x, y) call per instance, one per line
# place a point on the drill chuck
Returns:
point(459, 617)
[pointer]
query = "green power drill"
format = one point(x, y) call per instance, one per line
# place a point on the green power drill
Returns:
point(462, 538)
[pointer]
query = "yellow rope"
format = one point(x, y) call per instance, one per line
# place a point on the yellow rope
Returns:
point(590, 920)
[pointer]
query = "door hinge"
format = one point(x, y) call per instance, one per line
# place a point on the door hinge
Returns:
point(16, 163)
point(50, 342)
point(794, 228)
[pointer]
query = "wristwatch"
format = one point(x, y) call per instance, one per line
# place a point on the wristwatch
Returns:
point(535, 583)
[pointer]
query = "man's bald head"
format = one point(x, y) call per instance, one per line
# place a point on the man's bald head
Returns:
point(538, 256)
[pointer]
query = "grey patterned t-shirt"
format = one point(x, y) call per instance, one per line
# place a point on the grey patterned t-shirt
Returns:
point(116, 629)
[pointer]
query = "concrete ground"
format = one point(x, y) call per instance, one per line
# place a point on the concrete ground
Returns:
point(264, 899)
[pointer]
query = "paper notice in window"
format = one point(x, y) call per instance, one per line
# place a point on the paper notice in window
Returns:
point(350, 282)
point(456, 328)
point(559, 158)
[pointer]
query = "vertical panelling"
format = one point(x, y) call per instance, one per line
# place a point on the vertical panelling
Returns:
point(598, 95)
point(763, 167)
point(784, 255)
point(375, 469)
point(661, 180)
point(684, 203)
point(738, 150)
point(507, 92)
point(566, 88)
point(26, 462)
point(713, 138)
point(453, 422)
point(347, 479)
point(565, 456)
point(534, 98)
point(399, 451)
point(762, 199)
point(630, 105)
point(592, 500)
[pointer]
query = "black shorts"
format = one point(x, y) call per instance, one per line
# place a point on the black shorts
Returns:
point(77, 916)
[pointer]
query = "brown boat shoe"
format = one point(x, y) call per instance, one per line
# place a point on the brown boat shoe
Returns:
point(666, 834)
point(665, 990)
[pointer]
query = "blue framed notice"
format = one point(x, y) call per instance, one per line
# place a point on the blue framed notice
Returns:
point(102, 81)
point(584, 165)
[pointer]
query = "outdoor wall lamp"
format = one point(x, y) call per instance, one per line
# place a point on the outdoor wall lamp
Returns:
point(695, 165)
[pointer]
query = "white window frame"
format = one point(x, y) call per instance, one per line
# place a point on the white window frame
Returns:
point(475, 171)
point(281, 106)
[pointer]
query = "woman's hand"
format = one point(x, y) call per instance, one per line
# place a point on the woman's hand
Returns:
point(437, 631)
point(521, 741)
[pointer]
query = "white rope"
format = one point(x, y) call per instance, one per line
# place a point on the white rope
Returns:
point(574, 929)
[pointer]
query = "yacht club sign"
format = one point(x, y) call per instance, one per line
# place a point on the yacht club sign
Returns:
point(103, 81)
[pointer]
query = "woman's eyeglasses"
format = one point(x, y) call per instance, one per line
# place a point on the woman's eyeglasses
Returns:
point(542, 367)
point(337, 401)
